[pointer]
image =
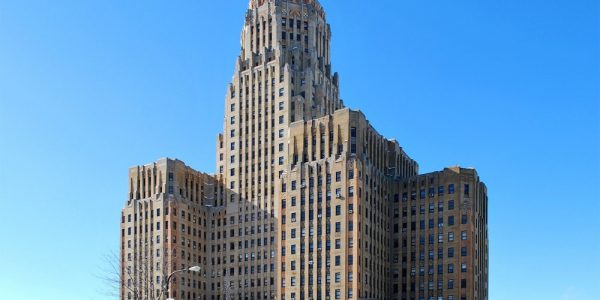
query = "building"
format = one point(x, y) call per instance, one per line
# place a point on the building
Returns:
point(307, 196)
point(440, 239)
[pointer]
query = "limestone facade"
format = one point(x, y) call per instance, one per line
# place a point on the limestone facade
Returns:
point(306, 199)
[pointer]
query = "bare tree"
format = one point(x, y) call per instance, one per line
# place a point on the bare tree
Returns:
point(137, 277)
point(227, 287)
point(111, 274)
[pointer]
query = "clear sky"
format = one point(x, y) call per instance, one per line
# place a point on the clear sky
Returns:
point(90, 88)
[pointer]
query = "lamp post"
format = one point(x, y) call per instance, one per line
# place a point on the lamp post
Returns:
point(166, 286)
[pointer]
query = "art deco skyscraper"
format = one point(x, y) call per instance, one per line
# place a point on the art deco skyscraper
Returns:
point(303, 205)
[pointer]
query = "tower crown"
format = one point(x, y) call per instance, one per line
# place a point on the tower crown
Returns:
point(256, 3)
point(252, 4)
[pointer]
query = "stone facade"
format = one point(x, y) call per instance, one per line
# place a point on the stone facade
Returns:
point(306, 199)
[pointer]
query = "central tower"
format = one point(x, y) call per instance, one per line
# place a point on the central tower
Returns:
point(283, 75)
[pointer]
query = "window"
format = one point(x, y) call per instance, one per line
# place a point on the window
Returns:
point(450, 220)
point(281, 90)
point(338, 277)
point(281, 133)
point(338, 176)
point(338, 260)
point(338, 227)
point(280, 147)
point(464, 220)
point(463, 235)
point(466, 190)
point(451, 284)
point(450, 268)
point(232, 120)
point(450, 236)
point(338, 210)
point(451, 205)
point(450, 252)
point(351, 191)
point(281, 118)
point(451, 189)
point(281, 105)
point(463, 251)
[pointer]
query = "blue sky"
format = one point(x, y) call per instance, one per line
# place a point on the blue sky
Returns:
point(89, 88)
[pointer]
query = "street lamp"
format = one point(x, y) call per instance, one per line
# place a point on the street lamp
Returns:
point(166, 287)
